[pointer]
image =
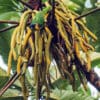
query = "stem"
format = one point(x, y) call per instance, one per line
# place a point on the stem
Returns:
point(9, 83)
point(8, 21)
point(8, 28)
point(88, 13)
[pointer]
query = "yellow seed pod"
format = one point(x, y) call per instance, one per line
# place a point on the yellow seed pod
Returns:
point(36, 34)
point(63, 34)
point(13, 38)
point(83, 47)
point(19, 63)
point(47, 47)
point(87, 30)
point(86, 37)
point(29, 31)
point(73, 25)
point(31, 43)
point(90, 47)
point(14, 54)
point(35, 70)
point(88, 65)
point(23, 16)
point(10, 57)
point(40, 45)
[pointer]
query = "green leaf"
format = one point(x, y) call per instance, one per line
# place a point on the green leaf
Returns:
point(80, 5)
point(9, 5)
point(9, 16)
point(93, 23)
point(5, 37)
point(7, 12)
point(79, 2)
point(5, 44)
point(2, 72)
point(60, 83)
point(3, 80)
point(14, 90)
point(96, 62)
point(68, 95)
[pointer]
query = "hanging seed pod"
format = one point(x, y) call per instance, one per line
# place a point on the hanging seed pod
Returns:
point(59, 37)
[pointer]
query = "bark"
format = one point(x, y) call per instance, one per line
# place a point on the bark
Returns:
point(94, 79)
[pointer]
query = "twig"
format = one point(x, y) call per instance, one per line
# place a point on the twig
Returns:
point(8, 28)
point(88, 13)
point(26, 4)
point(9, 22)
point(9, 83)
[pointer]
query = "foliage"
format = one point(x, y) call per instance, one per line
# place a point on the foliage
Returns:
point(69, 95)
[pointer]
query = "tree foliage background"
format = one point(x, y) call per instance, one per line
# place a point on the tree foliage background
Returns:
point(10, 10)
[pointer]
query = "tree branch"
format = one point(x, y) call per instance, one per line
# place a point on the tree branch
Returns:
point(8, 28)
point(94, 79)
point(88, 13)
point(9, 22)
point(9, 83)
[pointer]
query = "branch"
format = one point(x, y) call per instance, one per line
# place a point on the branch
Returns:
point(9, 83)
point(9, 22)
point(91, 76)
point(94, 79)
point(8, 28)
point(88, 13)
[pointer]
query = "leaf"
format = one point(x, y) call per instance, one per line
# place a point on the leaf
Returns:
point(9, 5)
point(68, 95)
point(2, 72)
point(7, 13)
point(96, 62)
point(95, 59)
point(5, 46)
point(3, 80)
point(60, 83)
point(11, 93)
point(79, 2)
point(14, 90)
point(9, 16)
point(80, 5)
point(93, 23)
